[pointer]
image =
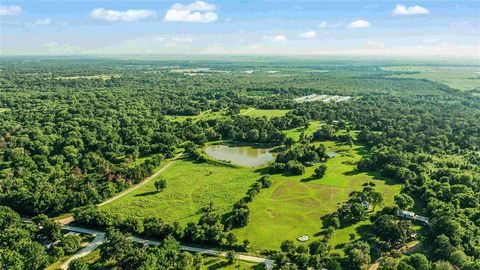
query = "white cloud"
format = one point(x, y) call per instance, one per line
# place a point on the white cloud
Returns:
point(116, 15)
point(375, 44)
point(309, 34)
point(359, 24)
point(62, 48)
point(182, 39)
point(43, 22)
point(323, 25)
point(10, 10)
point(411, 10)
point(431, 40)
point(196, 12)
point(277, 38)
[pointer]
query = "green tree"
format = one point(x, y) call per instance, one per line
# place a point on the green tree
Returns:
point(160, 184)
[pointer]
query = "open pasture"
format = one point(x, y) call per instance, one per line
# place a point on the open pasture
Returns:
point(190, 186)
point(459, 77)
point(294, 205)
point(296, 132)
point(261, 113)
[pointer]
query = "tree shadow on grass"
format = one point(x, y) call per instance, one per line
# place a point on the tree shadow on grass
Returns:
point(218, 265)
point(375, 175)
point(308, 179)
point(365, 232)
point(148, 193)
point(263, 170)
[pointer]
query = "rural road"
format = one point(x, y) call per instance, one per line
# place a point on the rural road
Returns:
point(96, 242)
point(141, 184)
point(100, 237)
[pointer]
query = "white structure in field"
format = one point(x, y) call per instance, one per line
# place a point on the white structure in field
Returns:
point(323, 98)
point(303, 238)
point(413, 216)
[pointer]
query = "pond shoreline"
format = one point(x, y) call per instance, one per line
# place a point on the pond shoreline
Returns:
point(245, 155)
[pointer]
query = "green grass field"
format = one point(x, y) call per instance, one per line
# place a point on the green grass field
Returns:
point(459, 77)
point(261, 113)
point(3, 110)
point(190, 186)
point(294, 205)
point(295, 132)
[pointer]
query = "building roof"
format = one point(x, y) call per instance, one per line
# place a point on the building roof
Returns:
point(303, 238)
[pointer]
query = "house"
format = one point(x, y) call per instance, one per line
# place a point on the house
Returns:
point(406, 214)
point(422, 219)
point(413, 216)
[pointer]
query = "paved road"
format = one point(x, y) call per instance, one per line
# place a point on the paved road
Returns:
point(96, 242)
point(141, 184)
point(100, 237)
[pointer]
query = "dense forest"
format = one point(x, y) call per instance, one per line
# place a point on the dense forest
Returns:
point(69, 140)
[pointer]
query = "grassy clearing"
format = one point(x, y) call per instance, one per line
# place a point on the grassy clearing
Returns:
point(2, 110)
point(190, 186)
point(261, 113)
point(216, 263)
point(459, 77)
point(295, 132)
point(294, 205)
point(202, 116)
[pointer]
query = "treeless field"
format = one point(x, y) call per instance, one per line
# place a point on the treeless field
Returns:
point(459, 77)
point(261, 113)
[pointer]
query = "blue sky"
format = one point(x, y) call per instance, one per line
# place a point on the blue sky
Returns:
point(393, 28)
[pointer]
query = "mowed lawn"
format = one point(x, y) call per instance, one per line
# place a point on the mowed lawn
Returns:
point(190, 186)
point(295, 132)
point(293, 205)
point(261, 113)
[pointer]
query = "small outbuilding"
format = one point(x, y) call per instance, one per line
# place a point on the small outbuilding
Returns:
point(303, 238)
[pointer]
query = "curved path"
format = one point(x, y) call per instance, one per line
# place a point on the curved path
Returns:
point(70, 219)
point(141, 184)
point(100, 237)
point(96, 242)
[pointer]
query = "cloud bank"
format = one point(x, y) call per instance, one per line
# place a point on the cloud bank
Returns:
point(308, 35)
point(196, 12)
point(116, 15)
point(10, 10)
point(359, 24)
point(277, 38)
point(43, 22)
point(402, 10)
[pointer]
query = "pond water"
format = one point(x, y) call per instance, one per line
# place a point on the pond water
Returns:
point(240, 155)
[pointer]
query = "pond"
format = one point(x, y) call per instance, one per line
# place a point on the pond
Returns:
point(247, 156)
